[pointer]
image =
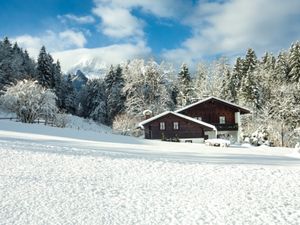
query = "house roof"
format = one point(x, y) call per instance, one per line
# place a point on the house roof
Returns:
point(243, 110)
point(141, 124)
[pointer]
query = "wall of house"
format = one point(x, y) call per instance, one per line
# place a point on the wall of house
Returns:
point(187, 129)
point(232, 136)
point(211, 111)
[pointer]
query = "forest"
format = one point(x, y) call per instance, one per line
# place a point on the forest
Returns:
point(269, 86)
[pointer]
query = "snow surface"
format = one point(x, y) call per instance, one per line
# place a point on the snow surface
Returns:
point(70, 176)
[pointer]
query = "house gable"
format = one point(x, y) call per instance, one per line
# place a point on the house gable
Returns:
point(215, 100)
point(215, 111)
point(163, 125)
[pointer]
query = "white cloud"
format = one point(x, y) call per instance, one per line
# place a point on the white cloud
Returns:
point(72, 38)
point(30, 43)
point(119, 22)
point(233, 26)
point(113, 54)
point(165, 8)
point(77, 19)
point(53, 41)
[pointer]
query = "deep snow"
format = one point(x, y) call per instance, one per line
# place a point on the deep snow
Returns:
point(70, 176)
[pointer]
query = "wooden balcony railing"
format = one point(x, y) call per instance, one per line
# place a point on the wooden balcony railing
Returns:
point(222, 127)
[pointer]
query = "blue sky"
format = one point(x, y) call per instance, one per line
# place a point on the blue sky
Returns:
point(174, 30)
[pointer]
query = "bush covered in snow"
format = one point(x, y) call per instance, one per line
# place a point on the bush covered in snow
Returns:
point(260, 137)
point(29, 101)
point(61, 120)
point(126, 125)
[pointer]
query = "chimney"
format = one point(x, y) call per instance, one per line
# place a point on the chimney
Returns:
point(147, 114)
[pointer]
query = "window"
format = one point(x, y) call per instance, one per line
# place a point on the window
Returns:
point(175, 125)
point(222, 119)
point(162, 126)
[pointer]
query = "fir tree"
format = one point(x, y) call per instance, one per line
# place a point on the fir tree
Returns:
point(201, 81)
point(69, 96)
point(282, 68)
point(294, 62)
point(45, 71)
point(249, 90)
point(92, 99)
point(6, 69)
point(185, 94)
point(58, 84)
point(114, 84)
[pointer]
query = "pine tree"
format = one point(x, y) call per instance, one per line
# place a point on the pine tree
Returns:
point(282, 68)
point(114, 84)
point(250, 90)
point(229, 89)
point(29, 66)
point(236, 79)
point(58, 84)
point(69, 96)
point(185, 94)
point(155, 93)
point(6, 69)
point(250, 62)
point(92, 99)
point(45, 71)
point(200, 86)
point(294, 62)
point(268, 61)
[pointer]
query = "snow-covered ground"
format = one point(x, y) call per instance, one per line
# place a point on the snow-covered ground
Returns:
point(69, 176)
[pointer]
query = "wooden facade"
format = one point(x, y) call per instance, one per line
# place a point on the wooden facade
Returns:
point(186, 128)
point(194, 120)
point(211, 111)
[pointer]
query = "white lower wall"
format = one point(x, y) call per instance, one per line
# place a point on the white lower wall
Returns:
point(229, 135)
point(211, 134)
point(194, 140)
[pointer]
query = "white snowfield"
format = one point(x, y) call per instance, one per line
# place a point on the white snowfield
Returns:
point(67, 176)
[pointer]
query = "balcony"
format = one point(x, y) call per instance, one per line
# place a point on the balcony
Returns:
point(222, 127)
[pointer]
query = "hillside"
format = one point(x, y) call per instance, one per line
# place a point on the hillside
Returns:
point(70, 176)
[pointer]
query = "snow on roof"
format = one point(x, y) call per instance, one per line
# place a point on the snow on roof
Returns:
point(179, 115)
point(209, 98)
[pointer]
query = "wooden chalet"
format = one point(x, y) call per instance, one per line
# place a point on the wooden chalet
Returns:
point(209, 118)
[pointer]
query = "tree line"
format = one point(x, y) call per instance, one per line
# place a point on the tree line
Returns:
point(269, 87)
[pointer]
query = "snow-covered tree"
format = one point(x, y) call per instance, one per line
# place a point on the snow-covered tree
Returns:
point(185, 92)
point(92, 100)
point(69, 95)
point(114, 84)
point(58, 84)
point(134, 81)
point(200, 84)
point(282, 67)
point(6, 69)
point(145, 88)
point(249, 93)
point(45, 70)
point(294, 62)
point(29, 101)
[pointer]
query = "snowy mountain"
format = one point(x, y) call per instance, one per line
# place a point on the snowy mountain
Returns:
point(95, 62)
point(90, 68)
point(79, 80)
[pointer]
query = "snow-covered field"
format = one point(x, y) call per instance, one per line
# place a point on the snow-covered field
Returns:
point(70, 176)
